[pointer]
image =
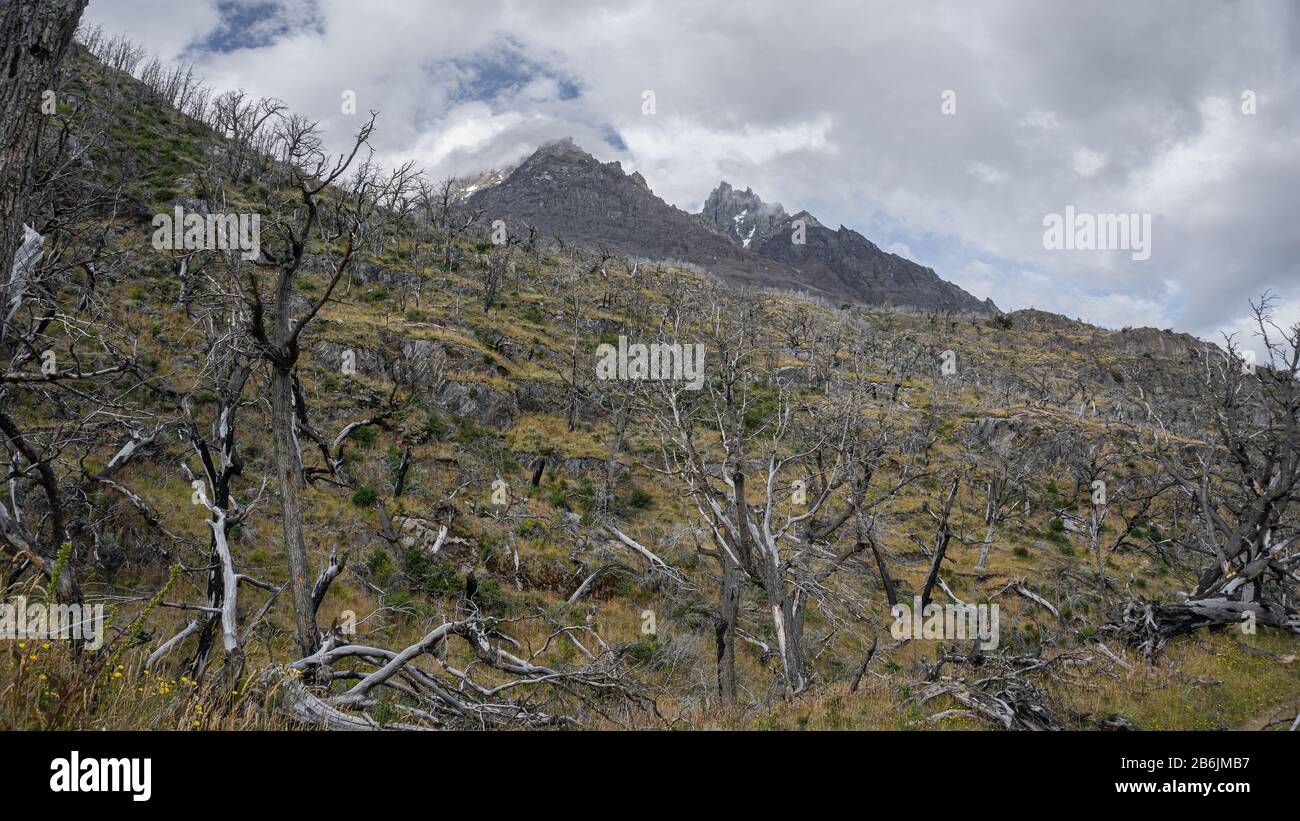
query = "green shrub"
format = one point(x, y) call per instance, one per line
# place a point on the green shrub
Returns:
point(637, 499)
point(365, 496)
point(365, 437)
point(378, 563)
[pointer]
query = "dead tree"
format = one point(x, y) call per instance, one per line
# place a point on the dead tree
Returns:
point(220, 462)
point(340, 220)
point(1246, 479)
point(776, 532)
point(496, 269)
point(942, 538)
point(1006, 478)
point(1094, 463)
point(247, 125)
point(442, 205)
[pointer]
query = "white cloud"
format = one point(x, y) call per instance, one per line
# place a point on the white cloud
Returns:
point(678, 156)
point(166, 29)
point(1086, 162)
point(1041, 120)
point(989, 174)
point(467, 129)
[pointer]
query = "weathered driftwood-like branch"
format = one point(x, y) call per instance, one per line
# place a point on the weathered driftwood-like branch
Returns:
point(328, 574)
point(1004, 692)
point(1019, 586)
point(593, 577)
point(171, 644)
point(655, 562)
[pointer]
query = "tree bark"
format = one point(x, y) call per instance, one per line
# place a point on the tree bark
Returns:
point(288, 474)
point(786, 621)
point(728, 612)
point(888, 583)
point(34, 37)
point(985, 548)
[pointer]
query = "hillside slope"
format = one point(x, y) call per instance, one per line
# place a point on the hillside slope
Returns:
point(464, 465)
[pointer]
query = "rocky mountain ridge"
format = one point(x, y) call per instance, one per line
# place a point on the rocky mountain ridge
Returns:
point(564, 192)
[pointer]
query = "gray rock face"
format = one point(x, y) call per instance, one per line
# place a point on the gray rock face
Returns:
point(478, 402)
point(846, 263)
point(561, 188)
point(741, 215)
point(1165, 343)
point(1036, 320)
point(1022, 435)
point(843, 262)
point(738, 238)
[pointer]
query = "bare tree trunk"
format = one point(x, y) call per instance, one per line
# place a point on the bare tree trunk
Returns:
point(942, 537)
point(1096, 518)
point(34, 37)
point(728, 611)
point(985, 548)
point(788, 622)
point(203, 652)
point(288, 474)
point(621, 414)
point(888, 583)
point(229, 603)
point(785, 620)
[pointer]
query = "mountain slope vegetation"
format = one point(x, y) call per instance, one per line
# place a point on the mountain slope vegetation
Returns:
point(493, 536)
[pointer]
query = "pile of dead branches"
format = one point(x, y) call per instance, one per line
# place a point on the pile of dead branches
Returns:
point(1003, 694)
point(420, 688)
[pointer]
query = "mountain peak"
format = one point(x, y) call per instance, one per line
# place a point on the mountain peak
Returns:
point(741, 216)
point(737, 236)
point(808, 219)
point(562, 147)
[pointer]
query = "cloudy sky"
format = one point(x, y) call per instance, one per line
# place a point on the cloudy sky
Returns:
point(837, 107)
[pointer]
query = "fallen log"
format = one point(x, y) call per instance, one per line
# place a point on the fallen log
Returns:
point(1148, 626)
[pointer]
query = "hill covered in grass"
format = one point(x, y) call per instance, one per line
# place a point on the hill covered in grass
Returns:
point(579, 542)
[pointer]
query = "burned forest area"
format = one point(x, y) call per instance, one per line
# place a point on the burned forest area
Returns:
point(299, 433)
